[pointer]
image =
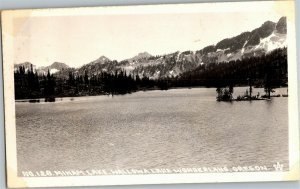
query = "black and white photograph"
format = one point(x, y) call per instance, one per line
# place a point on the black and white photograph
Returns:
point(181, 93)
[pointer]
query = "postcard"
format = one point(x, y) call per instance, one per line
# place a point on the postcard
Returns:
point(151, 94)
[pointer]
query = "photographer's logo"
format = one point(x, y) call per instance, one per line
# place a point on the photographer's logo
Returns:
point(278, 166)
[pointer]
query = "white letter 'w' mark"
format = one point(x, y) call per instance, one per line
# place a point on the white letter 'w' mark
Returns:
point(278, 166)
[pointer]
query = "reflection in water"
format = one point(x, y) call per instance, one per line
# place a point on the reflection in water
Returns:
point(153, 129)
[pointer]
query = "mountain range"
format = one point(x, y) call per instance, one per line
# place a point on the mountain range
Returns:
point(269, 36)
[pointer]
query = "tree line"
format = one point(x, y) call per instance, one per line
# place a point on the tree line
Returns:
point(265, 70)
point(30, 85)
point(268, 71)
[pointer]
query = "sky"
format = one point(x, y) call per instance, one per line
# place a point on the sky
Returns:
point(78, 40)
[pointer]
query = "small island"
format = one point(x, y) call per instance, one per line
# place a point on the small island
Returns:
point(226, 94)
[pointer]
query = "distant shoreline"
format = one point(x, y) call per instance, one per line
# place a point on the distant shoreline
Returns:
point(42, 99)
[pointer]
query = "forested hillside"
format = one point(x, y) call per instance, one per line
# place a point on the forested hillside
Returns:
point(269, 69)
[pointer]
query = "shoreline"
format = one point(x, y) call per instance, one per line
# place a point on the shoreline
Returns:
point(54, 98)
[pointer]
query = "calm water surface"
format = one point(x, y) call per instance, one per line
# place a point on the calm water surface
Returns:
point(153, 129)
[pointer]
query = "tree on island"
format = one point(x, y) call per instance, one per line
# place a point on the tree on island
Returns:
point(250, 87)
point(268, 81)
point(224, 93)
point(268, 88)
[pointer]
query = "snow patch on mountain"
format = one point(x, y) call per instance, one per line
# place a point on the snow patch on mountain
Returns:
point(53, 71)
point(222, 50)
point(243, 49)
point(272, 42)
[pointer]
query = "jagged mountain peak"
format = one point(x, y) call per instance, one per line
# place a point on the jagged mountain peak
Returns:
point(58, 65)
point(281, 25)
point(103, 59)
point(53, 68)
point(26, 65)
point(268, 23)
point(144, 54)
point(139, 56)
point(259, 41)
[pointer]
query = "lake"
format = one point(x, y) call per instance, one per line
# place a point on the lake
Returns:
point(153, 129)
